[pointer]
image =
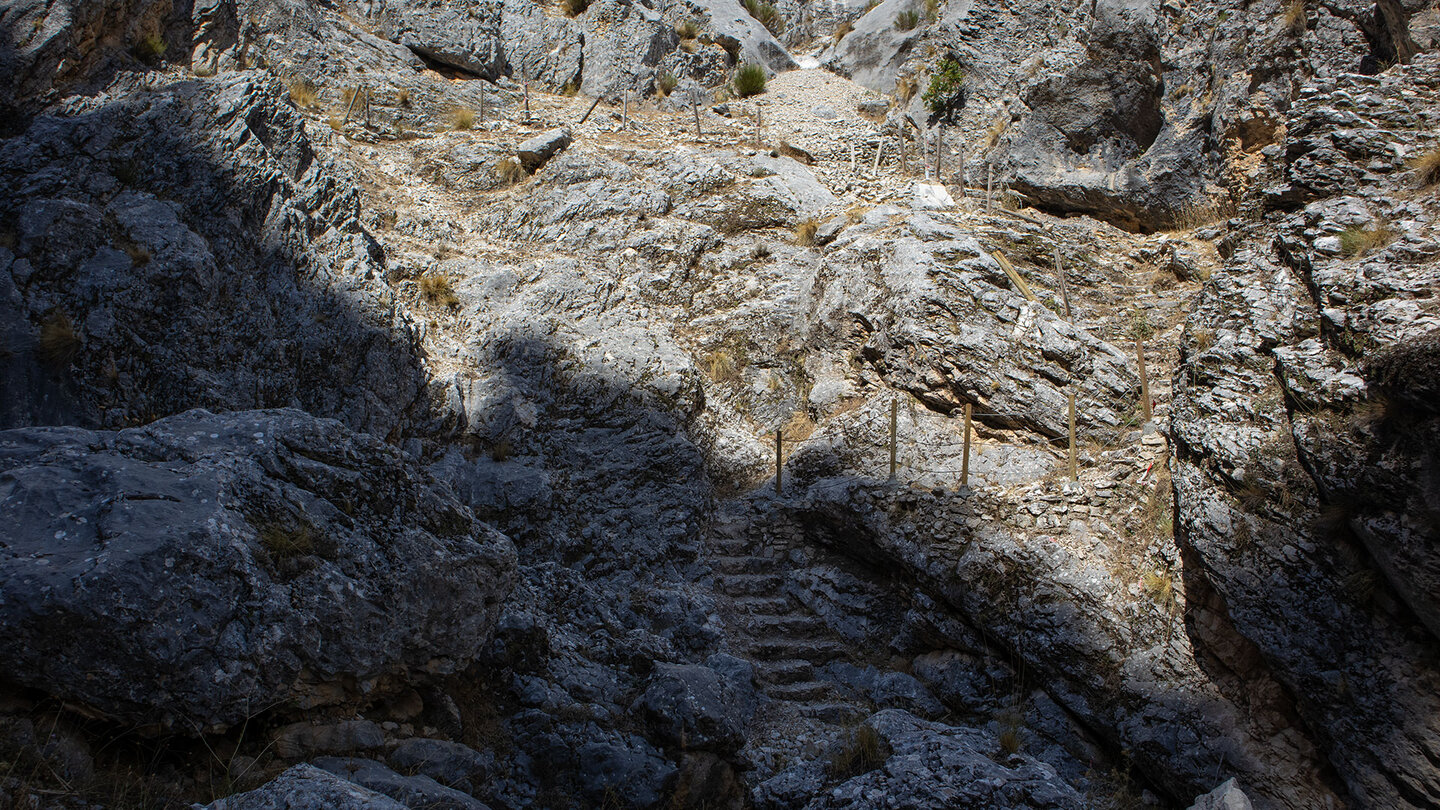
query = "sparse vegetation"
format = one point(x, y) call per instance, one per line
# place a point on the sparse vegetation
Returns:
point(767, 14)
point(862, 751)
point(149, 48)
point(842, 29)
point(1011, 738)
point(1427, 166)
point(439, 291)
point(687, 29)
point(287, 542)
point(1140, 326)
point(1160, 587)
point(749, 80)
point(1356, 241)
point(574, 8)
point(462, 118)
point(509, 171)
point(336, 123)
point(304, 93)
point(721, 366)
point(907, 20)
point(805, 231)
point(59, 341)
point(402, 97)
point(905, 88)
point(1295, 17)
point(665, 83)
point(932, 10)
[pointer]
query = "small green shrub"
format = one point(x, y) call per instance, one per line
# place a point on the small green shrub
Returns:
point(945, 95)
point(665, 83)
point(687, 29)
point(767, 14)
point(149, 48)
point(932, 10)
point(749, 80)
point(1140, 327)
point(907, 20)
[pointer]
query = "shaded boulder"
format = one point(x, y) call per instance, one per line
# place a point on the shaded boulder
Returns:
point(306, 787)
point(1228, 796)
point(697, 707)
point(205, 567)
point(412, 791)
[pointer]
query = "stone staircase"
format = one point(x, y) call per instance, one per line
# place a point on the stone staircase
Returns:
point(786, 641)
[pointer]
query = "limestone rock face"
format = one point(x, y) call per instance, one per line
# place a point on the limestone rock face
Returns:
point(1305, 482)
point(197, 252)
point(198, 570)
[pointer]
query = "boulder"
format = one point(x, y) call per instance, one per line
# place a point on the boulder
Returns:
point(411, 791)
point(449, 763)
point(695, 707)
point(874, 51)
point(535, 152)
point(1228, 796)
point(306, 787)
point(205, 567)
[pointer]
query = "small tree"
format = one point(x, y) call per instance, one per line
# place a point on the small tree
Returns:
point(945, 97)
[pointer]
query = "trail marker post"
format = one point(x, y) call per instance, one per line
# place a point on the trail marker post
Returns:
point(1074, 466)
point(965, 460)
point(779, 459)
point(894, 420)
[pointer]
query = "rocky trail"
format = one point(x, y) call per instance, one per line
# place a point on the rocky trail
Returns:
point(393, 393)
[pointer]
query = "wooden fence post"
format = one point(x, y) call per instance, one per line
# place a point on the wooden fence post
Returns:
point(879, 146)
point(894, 418)
point(1144, 378)
point(1074, 467)
point(965, 463)
point(1064, 285)
point(482, 105)
point(779, 459)
point(695, 107)
point(589, 110)
point(904, 166)
point(989, 185)
point(525, 75)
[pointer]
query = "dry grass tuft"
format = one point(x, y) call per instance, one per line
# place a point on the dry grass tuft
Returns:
point(1427, 166)
point(304, 93)
point(767, 14)
point(287, 542)
point(439, 291)
point(861, 752)
point(906, 87)
point(722, 367)
point(59, 341)
point(687, 29)
point(462, 118)
point(509, 171)
point(1295, 17)
point(842, 29)
point(665, 83)
point(1356, 241)
point(805, 232)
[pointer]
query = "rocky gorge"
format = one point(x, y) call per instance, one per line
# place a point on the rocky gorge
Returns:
point(500, 404)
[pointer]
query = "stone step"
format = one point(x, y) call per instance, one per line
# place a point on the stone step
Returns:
point(744, 565)
point(839, 713)
point(790, 625)
point(764, 605)
point(816, 651)
point(803, 691)
point(750, 584)
point(784, 671)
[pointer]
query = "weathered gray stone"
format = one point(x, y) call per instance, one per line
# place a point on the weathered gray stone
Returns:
point(306, 787)
point(210, 566)
point(1227, 796)
point(411, 791)
point(535, 152)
